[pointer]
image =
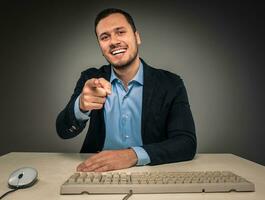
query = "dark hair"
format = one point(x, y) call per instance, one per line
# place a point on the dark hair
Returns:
point(106, 12)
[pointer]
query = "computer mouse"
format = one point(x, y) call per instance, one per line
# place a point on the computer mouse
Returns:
point(23, 177)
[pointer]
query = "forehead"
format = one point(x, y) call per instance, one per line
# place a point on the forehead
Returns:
point(111, 22)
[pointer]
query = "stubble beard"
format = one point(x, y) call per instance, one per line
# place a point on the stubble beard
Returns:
point(126, 64)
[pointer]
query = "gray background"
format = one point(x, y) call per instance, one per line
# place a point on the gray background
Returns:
point(217, 48)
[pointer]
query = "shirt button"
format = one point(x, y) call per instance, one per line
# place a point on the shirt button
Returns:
point(123, 120)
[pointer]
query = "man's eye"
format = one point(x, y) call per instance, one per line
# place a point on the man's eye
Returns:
point(121, 32)
point(104, 38)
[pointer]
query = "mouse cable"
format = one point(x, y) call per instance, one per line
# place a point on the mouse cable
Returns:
point(128, 195)
point(8, 192)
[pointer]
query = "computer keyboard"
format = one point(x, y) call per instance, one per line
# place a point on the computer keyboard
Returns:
point(155, 182)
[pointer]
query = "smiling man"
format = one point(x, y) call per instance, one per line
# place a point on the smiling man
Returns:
point(137, 114)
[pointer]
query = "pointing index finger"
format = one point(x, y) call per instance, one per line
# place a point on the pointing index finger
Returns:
point(105, 85)
point(92, 83)
point(99, 83)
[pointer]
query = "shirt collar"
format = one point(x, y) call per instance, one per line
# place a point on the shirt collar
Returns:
point(137, 78)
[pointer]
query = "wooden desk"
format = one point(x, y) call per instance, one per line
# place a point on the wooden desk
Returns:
point(55, 168)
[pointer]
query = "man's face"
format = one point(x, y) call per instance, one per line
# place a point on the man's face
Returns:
point(118, 42)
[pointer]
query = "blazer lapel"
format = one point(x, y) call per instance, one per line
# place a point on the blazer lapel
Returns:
point(148, 90)
point(106, 72)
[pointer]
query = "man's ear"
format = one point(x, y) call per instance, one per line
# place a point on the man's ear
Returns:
point(138, 38)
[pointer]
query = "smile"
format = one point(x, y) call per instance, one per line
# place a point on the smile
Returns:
point(118, 51)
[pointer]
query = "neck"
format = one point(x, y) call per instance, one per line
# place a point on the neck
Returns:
point(126, 74)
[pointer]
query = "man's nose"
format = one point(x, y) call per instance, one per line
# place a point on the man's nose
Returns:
point(115, 40)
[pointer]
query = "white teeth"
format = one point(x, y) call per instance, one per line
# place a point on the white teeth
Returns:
point(118, 51)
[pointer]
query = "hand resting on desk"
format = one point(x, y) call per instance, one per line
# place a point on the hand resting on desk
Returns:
point(109, 160)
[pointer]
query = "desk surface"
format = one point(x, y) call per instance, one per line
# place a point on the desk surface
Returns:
point(55, 168)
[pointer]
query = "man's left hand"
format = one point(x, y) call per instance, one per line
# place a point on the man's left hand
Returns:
point(109, 160)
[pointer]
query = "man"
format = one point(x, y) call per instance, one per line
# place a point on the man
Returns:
point(137, 114)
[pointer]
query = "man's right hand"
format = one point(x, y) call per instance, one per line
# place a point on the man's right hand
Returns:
point(94, 94)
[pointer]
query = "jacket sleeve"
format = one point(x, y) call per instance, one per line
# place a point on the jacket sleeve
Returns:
point(67, 126)
point(180, 141)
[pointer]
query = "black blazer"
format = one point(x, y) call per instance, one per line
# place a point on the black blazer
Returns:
point(168, 131)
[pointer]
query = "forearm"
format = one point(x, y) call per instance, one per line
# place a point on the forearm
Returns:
point(67, 125)
point(180, 148)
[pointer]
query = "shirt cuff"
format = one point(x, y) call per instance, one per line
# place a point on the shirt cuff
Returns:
point(143, 157)
point(79, 115)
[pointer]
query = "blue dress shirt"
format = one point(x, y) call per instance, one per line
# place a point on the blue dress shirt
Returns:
point(122, 114)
